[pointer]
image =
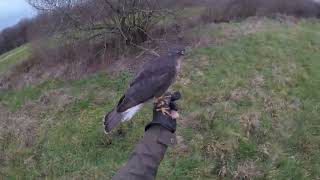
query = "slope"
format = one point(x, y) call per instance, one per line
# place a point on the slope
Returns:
point(250, 109)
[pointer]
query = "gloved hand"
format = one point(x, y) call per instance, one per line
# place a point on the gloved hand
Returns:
point(165, 112)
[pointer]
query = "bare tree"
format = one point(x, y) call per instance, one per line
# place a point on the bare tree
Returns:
point(131, 20)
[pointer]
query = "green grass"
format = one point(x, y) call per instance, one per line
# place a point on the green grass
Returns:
point(11, 58)
point(250, 106)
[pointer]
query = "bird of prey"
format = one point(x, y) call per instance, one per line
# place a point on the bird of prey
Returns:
point(151, 81)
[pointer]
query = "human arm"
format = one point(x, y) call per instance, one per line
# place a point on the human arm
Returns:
point(149, 152)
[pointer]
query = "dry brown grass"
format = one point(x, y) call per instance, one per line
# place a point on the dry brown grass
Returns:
point(250, 123)
point(23, 124)
point(247, 171)
point(228, 10)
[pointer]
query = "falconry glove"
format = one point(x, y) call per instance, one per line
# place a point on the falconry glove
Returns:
point(165, 112)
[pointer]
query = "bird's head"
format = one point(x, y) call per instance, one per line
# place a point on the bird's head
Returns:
point(177, 52)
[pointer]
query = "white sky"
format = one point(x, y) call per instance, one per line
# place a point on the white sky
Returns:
point(12, 11)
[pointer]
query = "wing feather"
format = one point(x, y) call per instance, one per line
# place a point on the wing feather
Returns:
point(145, 89)
point(154, 67)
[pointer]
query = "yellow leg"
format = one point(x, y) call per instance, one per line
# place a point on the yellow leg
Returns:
point(165, 111)
point(161, 98)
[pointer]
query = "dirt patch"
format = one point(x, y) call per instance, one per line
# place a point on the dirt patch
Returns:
point(250, 123)
point(257, 81)
point(181, 148)
point(238, 94)
point(29, 73)
point(23, 125)
point(247, 170)
point(190, 120)
point(56, 98)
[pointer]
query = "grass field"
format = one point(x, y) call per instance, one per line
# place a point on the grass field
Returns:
point(250, 110)
point(7, 60)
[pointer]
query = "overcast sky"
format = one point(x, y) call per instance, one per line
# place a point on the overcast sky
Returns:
point(12, 11)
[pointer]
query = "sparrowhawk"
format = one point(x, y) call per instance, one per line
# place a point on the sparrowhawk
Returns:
point(151, 81)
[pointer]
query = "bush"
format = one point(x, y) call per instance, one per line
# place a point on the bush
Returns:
point(15, 36)
point(228, 10)
point(130, 20)
point(298, 8)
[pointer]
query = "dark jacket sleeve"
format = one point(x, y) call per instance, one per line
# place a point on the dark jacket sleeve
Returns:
point(147, 155)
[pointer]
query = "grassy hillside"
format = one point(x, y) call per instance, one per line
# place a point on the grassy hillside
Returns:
point(13, 57)
point(250, 109)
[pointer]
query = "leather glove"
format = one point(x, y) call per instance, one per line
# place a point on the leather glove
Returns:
point(165, 112)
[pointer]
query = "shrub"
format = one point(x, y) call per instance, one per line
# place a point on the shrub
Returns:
point(130, 20)
point(15, 36)
point(228, 10)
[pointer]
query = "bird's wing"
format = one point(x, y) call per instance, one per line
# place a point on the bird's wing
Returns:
point(149, 83)
point(154, 67)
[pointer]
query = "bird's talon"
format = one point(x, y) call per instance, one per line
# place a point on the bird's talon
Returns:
point(164, 111)
point(162, 98)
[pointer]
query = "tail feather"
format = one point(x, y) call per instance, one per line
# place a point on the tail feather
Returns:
point(113, 118)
